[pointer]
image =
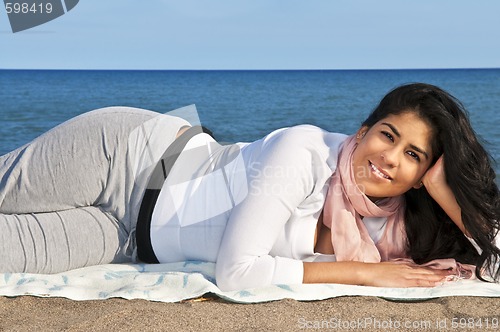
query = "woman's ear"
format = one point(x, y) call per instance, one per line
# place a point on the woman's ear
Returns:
point(419, 185)
point(361, 133)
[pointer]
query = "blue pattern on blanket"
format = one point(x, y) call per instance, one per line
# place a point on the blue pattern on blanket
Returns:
point(184, 280)
point(285, 287)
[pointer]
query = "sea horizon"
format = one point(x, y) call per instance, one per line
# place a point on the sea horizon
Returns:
point(246, 70)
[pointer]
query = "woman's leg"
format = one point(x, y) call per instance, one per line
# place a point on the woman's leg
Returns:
point(73, 165)
point(70, 197)
point(59, 241)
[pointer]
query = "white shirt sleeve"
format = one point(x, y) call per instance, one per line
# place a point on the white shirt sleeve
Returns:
point(494, 266)
point(280, 177)
point(476, 246)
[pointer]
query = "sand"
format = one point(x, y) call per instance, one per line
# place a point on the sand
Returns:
point(345, 313)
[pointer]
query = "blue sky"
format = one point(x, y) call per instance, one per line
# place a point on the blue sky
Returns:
point(260, 34)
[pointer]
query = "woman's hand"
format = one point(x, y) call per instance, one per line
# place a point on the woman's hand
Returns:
point(435, 178)
point(435, 183)
point(403, 274)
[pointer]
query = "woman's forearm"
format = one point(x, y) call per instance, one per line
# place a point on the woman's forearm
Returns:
point(334, 272)
point(443, 195)
point(384, 274)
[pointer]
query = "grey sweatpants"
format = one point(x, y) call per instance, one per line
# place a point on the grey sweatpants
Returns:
point(70, 198)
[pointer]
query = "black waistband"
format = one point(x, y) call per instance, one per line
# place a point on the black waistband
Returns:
point(143, 229)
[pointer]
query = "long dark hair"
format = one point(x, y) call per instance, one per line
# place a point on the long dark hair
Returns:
point(468, 167)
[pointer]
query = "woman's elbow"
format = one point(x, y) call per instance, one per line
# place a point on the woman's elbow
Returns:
point(225, 279)
point(231, 276)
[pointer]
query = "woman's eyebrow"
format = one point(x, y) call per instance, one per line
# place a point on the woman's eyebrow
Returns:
point(396, 132)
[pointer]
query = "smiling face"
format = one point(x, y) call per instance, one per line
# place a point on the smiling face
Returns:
point(392, 155)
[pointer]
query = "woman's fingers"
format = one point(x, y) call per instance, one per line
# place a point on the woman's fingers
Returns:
point(429, 278)
point(407, 275)
point(435, 175)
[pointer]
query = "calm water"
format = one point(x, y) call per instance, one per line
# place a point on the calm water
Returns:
point(236, 105)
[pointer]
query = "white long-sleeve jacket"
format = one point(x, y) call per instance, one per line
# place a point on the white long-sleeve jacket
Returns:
point(250, 207)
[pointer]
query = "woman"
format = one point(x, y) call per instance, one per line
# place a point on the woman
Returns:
point(299, 205)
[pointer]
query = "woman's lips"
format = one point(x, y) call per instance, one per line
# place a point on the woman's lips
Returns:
point(378, 172)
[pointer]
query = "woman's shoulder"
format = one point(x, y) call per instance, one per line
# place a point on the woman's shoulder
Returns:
point(304, 137)
point(304, 134)
point(304, 142)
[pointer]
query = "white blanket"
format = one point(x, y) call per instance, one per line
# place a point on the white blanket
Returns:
point(186, 280)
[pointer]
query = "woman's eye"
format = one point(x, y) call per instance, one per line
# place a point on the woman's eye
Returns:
point(388, 135)
point(414, 155)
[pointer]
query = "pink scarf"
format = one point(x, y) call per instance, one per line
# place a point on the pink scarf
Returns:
point(346, 204)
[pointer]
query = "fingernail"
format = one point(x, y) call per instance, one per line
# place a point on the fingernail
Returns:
point(451, 277)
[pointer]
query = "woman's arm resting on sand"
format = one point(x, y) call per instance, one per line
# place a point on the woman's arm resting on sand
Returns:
point(435, 183)
point(385, 274)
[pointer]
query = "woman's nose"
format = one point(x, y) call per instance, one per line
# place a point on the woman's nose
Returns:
point(391, 157)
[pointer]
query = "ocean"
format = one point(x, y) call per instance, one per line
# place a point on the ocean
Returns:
point(238, 106)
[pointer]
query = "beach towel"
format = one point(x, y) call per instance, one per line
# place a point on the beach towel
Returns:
point(188, 280)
